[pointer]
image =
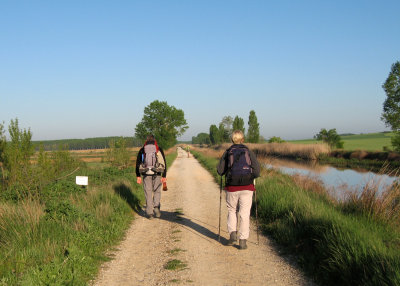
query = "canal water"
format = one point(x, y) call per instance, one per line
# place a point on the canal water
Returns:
point(334, 179)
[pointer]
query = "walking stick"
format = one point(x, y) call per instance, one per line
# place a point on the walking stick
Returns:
point(255, 197)
point(220, 202)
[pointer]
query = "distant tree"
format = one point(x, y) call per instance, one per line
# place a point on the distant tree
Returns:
point(165, 122)
point(215, 137)
point(391, 106)
point(223, 133)
point(227, 122)
point(275, 139)
point(330, 137)
point(201, 138)
point(253, 133)
point(238, 124)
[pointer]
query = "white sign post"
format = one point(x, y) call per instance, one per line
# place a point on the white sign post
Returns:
point(82, 180)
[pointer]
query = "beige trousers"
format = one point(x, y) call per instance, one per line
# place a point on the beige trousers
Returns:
point(243, 199)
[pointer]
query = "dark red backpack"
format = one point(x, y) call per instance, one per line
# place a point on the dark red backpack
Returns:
point(239, 171)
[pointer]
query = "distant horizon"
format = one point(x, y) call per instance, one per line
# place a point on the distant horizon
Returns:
point(184, 140)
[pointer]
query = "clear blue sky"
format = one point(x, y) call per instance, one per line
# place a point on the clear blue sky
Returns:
point(79, 69)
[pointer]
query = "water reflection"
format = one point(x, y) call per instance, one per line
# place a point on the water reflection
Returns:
point(333, 178)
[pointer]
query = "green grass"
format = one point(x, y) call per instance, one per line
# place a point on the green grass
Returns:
point(175, 264)
point(368, 142)
point(332, 245)
point(60, 235)
point(66, 243)
point(175, 251)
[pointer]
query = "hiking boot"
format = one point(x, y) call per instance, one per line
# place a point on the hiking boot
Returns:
point(242, 244)
point(150, 216)
point(157, 212)
point(232, 238)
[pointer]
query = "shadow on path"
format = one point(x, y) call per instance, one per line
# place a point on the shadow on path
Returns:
point(126, 193)
point(179, 218)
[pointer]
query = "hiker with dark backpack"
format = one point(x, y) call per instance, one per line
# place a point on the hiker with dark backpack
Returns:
point(151, 165)
point(240, 167)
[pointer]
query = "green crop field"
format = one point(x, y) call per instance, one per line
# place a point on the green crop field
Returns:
point(368, 142)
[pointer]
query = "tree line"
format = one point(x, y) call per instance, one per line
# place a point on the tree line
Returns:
point(84, 144)
point(222, 133)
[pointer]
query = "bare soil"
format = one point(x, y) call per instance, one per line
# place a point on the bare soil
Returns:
point(188, 232)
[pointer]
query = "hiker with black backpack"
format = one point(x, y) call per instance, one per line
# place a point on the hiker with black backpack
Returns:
point(240, 167)
point(151, 165)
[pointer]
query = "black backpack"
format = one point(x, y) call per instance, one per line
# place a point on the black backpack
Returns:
point(239, 171)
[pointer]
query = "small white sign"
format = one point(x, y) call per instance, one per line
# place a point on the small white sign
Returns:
point(82, 180)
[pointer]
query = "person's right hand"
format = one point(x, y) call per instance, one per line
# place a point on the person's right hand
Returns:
point(139, 180)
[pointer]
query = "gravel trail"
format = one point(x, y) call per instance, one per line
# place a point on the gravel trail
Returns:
point(187, 232)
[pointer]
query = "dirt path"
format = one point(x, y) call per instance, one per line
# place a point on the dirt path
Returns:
point(187, 232)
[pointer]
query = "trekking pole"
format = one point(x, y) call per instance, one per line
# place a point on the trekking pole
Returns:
point(220, 202)
point(255, 198)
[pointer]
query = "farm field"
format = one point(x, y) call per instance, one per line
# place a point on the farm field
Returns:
point(368, 142)
point(96, 156)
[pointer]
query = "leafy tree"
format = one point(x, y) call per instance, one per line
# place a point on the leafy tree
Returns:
point(391, 106)
point(223, 133)
point(275, 139)
point(238, 124)
point(201, 138)
point(330, 137)
point(165, 122)
point(215, 137)
point(253, 133)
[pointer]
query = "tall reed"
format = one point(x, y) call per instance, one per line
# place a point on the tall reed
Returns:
point(289, 150)
point(303, 151)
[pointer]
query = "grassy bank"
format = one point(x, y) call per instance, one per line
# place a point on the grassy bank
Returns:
point(60, 235)
point(335, 243)
point(381, 161)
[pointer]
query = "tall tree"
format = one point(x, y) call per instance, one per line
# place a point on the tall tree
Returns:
point(215, 137)
point(238, 124)
point(165, 122)
point(391, 106)
point(253, 133)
